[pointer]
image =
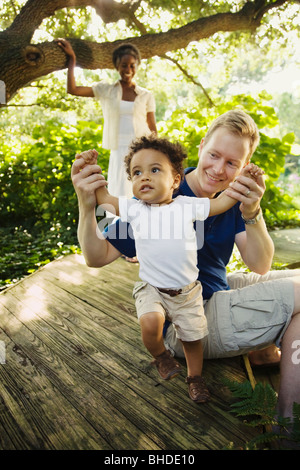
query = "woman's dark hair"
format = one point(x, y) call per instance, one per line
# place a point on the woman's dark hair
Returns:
point(174, 151)
point(125, 49)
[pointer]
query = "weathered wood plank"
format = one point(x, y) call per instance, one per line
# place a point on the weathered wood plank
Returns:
point(38, 416)
point(75, 332)
point(287, 244)
point(110, 386)
point(60, 361)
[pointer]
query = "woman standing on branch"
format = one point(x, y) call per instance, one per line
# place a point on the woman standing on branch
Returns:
point(128, 110)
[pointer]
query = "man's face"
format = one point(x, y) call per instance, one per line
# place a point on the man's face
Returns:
point(221, 160)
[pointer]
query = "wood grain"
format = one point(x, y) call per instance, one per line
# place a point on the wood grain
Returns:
point(77, 375)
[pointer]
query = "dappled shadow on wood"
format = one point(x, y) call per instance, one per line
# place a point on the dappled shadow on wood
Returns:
point(77, 375)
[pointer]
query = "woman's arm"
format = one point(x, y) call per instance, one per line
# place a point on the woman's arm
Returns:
point(151, 122)
point(72, 88)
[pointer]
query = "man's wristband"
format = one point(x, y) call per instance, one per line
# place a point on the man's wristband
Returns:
point(255, 219)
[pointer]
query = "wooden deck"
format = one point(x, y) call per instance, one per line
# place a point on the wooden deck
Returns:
point(286, 243)
point(77, 376)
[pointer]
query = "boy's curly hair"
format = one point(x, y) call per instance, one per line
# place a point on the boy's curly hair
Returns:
point(174, 151)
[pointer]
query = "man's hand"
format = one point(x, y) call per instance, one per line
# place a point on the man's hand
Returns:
point(86, 180)
point(248, 188)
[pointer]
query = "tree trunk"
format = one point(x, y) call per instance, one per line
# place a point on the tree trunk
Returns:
point(21, 62)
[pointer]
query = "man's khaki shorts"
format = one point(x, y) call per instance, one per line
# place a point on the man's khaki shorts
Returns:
point(185, 310)
point(254, 314)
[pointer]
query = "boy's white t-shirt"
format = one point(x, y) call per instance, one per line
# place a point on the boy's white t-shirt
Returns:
point(165, 238)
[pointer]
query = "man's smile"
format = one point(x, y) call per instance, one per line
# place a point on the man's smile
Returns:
point(212, 178)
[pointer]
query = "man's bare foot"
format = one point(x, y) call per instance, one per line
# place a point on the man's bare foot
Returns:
point(131, 260)
point(269, 356)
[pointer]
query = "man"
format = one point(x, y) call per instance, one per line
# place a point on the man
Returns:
point(243, 313)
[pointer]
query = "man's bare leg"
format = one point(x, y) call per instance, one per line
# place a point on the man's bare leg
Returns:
point(289, 391)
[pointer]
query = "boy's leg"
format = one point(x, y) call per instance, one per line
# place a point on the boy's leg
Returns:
point(152, 335)
point(193, 352)
point(198, 391)
point(152, 332)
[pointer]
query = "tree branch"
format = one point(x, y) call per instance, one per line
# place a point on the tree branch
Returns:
point(263, 6)
point(111, 11)
point(190, 77)
point(20, 105)
point(21, 63)
point(34, 12)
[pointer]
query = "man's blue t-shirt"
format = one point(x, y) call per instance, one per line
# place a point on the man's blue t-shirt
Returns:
point(218, 240)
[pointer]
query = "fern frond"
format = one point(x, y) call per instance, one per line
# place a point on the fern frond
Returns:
point(296, 422)
point(239, 389)
point(261, 421)
point(260, 402)
point(264, 438)
point(246, 407)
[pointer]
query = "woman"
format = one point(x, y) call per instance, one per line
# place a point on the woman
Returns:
point(128, 110)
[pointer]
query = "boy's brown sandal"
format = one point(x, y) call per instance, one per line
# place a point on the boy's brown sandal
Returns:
point(166, 365)
point(197, 389)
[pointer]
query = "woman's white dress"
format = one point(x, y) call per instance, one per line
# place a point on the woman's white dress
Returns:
point(117, 178)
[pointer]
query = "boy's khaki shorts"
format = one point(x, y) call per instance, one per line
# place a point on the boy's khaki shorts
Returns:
point(254, 314)
point(185, 310)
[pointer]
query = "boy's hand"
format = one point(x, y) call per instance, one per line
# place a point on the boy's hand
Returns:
point(89, 156)
point(252, 171)
point(248, 188)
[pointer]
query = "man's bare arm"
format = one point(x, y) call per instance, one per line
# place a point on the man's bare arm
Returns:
point(96, 250)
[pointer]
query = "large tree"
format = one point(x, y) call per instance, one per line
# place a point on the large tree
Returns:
point(23, 60)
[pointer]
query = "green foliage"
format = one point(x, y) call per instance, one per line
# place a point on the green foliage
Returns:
point(260, 401)
point(288, 112)
point(62, 22)
point(35, 182)
point(38, 198)
point(258, 405)
point(24, 251)
point(189, 126)
point(38, 205)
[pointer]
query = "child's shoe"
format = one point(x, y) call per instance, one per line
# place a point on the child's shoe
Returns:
point(198, 391)
point(166, 365)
